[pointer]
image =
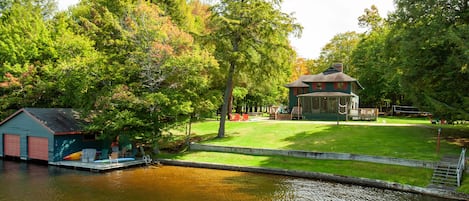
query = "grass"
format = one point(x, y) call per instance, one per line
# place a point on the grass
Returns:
point(394, 173)
point(402, 142)
point(404, 120)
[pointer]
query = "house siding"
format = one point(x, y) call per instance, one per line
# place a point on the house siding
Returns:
point(328, 87)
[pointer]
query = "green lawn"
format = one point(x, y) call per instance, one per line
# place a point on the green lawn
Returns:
point(394, 173)
point(404, 120)
point(391, 141)
point(402, 142)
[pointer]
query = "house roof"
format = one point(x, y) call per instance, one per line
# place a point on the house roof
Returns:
point(58, 120)
point(329, 75)
point(299, 82)
point(326, 94)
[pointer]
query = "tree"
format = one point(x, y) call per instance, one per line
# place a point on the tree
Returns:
point(153, 76)
point(300, 68)
point(27, 57)
point(373, 64)
point(430, 42)
point(250, 36)
point(339, 49)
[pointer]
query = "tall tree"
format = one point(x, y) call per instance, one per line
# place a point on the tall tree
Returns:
point(373, 64)
point(27, 57)
point(339, 49)
point(153, 76)
point(251, 36)
point(431, 43)
point(300, 68)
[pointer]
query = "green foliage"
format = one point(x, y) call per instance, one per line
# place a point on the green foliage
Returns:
point(430, 42)
point(373, 70)
point(339, 49)
point(244, 35)
point(149, 74)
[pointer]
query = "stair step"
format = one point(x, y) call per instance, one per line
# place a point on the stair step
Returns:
point(444, 179)
point(445, 173)
point(447, 167)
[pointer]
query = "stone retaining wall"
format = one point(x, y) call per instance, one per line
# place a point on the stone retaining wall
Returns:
point(315, 155)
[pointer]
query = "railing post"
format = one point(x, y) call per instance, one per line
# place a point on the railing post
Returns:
point(461, 165)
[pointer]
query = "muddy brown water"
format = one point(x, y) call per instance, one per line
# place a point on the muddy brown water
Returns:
point(27, 181)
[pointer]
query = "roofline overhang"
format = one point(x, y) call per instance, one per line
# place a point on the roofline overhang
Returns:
point(324, 94)
point(40, 122)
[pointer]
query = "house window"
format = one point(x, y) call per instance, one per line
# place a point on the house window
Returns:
point(340, 85)
point(318, 86)
point(315, 103)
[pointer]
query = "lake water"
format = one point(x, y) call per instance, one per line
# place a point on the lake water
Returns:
point(27, 181)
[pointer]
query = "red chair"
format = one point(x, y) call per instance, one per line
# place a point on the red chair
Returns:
point(234, 117)
point(245, 117)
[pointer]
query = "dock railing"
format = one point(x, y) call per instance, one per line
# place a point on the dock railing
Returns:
point(461, 165)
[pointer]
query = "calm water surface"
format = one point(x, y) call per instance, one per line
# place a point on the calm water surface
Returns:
point(26, 181)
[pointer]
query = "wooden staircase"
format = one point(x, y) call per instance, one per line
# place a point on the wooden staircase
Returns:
point(445, 174)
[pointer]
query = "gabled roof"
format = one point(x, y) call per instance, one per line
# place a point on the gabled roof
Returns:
point(299, 82)
point(329, 75)
point(57, 120)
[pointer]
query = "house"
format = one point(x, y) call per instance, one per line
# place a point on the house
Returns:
point(330, 95)
point(46, 134)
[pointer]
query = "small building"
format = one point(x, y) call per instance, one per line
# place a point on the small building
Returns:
point(46, 134)
point(330, 95)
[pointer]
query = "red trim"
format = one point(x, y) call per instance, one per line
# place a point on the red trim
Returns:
point(68, 133)
point(315, 85)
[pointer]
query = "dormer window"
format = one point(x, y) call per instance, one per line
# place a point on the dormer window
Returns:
point(318, 86)
point(340, 85)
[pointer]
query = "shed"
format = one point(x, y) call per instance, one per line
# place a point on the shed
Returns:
point(46, 134)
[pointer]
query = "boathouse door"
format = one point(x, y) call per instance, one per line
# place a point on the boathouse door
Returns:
point(38, 148)
point(11, 145)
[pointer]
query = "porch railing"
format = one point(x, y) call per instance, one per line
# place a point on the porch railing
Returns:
point(461, 165)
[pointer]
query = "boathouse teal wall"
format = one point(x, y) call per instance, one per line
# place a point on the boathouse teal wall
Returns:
point(68, 144)
point(24, 125)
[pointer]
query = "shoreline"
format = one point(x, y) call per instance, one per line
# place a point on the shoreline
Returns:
point(436, 192)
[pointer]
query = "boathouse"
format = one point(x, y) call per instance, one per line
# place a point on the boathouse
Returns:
point(46, 134)
point(330, 95)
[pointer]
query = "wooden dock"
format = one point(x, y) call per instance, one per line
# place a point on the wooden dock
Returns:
point(97, 167)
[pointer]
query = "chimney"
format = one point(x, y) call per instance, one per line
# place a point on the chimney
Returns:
point(339, 67)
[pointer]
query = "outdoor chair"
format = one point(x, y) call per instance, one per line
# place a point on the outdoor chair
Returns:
point(113, 157)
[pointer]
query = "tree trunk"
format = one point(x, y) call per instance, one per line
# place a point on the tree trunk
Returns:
point(226, 101)
point(229, 88)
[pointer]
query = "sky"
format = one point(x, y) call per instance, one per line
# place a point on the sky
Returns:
point(321, 20)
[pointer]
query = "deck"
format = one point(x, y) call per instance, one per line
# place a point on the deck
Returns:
point(97, 167)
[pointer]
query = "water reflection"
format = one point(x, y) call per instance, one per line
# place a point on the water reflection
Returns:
point(22, 181)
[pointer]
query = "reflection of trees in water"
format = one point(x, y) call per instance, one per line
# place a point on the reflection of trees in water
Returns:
point(23, 181)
